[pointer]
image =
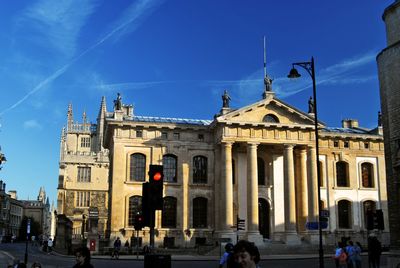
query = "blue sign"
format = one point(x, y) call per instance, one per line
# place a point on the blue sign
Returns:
point(313, 225)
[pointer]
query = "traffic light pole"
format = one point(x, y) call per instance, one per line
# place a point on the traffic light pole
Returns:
point(152, 224)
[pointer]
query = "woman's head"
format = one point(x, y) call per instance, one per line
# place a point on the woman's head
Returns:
point(246, 254)
point(82, 255)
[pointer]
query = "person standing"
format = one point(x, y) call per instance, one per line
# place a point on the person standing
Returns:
point(357, 255)
point(374, 251)
point(246, 254)
point(50, 245)
point(82, 255)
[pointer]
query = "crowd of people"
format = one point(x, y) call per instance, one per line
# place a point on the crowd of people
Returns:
point(349, 254)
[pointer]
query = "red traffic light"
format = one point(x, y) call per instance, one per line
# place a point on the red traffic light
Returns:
point(157, 176)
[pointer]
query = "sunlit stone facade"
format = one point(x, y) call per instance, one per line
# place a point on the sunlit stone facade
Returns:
point(257, 163)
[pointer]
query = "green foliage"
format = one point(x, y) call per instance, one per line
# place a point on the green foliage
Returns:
point(35, 228)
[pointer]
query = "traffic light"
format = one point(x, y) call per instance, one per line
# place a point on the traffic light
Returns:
point(370, 219)
point(379, 220)
point(139, 222)
point(156, 186)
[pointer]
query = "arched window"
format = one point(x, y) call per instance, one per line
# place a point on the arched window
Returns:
point(367, 171)
point(342, 174)
point(168, 219)
point(261, 171)
point(135, 207)
point(200, 212)
point(170, 170)
point(270, 118)
point(199, 169)
point(138, 167)
point(344, 211)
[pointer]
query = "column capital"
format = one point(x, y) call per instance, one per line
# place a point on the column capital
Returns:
point(227, 143)
point(289, 145)
point(251, 143)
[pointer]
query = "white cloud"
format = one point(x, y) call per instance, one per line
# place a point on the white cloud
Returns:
point(59, 22)
point(131, 18)
point(32, 124)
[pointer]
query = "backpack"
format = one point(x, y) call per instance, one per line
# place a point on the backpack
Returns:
point(343, 258)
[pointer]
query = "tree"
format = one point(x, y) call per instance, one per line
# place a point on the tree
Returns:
point(35, 228)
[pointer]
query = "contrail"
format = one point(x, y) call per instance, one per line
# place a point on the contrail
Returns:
point(141, 6)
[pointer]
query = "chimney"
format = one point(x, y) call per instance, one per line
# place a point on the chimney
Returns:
point(13, 194)
point(349, 123)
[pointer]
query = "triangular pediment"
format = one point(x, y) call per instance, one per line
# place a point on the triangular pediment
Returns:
point(268, 111)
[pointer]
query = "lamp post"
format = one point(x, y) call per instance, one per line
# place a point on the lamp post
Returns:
point(309, 67)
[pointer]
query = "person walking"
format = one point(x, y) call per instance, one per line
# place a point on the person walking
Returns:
point(117, 248)
point(340, 256)
point(350, 254)
point(228, 258)
point(357, 255)
point(246, 254)
point(82, 255)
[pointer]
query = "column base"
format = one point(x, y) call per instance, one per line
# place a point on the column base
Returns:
point(226, 236)
point(292, 238)
point(312, 237)
point(255, 237)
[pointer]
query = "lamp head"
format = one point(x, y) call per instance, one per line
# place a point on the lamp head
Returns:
point(293, 73)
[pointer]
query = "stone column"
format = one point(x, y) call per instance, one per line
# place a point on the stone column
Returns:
point(301, 188)
point(290, 196)
point(312, 185)
point(226, 187)
point(252, 188)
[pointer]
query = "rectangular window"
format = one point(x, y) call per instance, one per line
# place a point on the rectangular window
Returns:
point(346, 144)
point(85, 142)
point(201, 137)
point(176, 136)
point(84, 174)
point(139, 133)
point(164, 135)
point(366, 145)
point(83, 199)
point(336, 144)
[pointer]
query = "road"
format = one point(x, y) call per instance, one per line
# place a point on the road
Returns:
point(17, 250)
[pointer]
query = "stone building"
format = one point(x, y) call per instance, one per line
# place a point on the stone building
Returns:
point(39, 210)
point(256, 163)
point(389, 69)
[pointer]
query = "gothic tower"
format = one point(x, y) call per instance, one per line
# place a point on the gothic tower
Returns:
point(389, 79)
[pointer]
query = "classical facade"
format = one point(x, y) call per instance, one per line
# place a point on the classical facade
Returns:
point(389, 68)
point(256, 163)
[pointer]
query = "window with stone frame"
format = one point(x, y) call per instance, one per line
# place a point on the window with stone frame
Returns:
point(342, 174)
point(200, 169)
point(367, 175)
point(261, 171)
point(83, 199)
point(200, 205)
point(85, 142)
point(137, 167)
point(84, 174)
point(135, 207)
point(170, 168)
point(169, 213)
point(344, 214)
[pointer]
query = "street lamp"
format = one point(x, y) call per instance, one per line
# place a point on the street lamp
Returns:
point(309, 67)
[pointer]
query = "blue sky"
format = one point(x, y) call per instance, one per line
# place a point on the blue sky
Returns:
point(173, 59)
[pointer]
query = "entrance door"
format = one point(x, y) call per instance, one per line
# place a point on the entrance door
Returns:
point(264, 217)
